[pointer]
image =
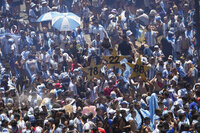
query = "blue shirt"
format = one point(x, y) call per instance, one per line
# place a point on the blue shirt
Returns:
point(181, 71)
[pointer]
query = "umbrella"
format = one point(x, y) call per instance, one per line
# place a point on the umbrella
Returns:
point(66, 22)
point(89, 109)
point(48, 16)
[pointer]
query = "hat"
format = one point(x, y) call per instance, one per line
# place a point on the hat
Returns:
point(75, 70)
point(11, 40)
point(113, 95)
point(93, 50)
point(175, 78)
point(156, 46)
point(111, 16)
point(170, 57)
point(58, 85)
point(171, 32)
point(44, 2)
point(172, 29)
point(180, 111)
point(112, 111)
point(71, 123)
point(153, 12)
point(144, 60)
point(54, 8)
point(32, 4)
point(158, 18)
point(128, 33)
point(139, 12)
point(33, 33)
point(178, 62)
point(189, 62)
point(104, 9)
point(114, 11)
point(10, 100)
point(177, 103)
point(124, 102)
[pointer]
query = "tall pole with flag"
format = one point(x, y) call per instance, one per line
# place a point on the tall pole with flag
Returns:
point(197, 24)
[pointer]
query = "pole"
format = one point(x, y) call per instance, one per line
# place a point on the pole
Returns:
point(197, 25)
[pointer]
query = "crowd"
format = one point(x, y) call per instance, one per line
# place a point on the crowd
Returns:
point(43, 88)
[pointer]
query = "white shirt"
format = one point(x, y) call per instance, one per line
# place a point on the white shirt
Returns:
point(45, 57)
point(54, 64)
point(72, 87)
point(100, 30)
point(14, 48)
point(80, 39)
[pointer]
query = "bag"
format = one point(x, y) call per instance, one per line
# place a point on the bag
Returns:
point(106, 43)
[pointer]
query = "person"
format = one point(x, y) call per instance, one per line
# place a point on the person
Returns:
point(62, 7)
point(146, 128)
point(124, 125)
point(150, 37)
point(45, 38)
point(23, 41)
point(124, 47)
point(133, 122)
point(33, 15)
point(6, 49)
point(44, 8)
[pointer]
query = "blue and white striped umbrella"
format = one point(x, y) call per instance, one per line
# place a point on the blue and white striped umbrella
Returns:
point(48, 16)
point(66, 22)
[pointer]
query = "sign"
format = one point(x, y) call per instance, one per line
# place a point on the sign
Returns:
point(139, 69)
point(93, 70)
point(114, 59)
point(68, 108)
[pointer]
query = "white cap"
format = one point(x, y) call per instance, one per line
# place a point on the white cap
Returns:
point(180, 111)
point(178, 62)
point(71, 123)
point(11, 40)
point(111, 111)
point(111, 16)
point(128, 33)
point(139, 11)
point(33, 33)
point(32, 4)
point(156, 46)
point(114, 11)
point(153, 12)
point(75, 70)
point(189, 62)
point(104, 9)
point(44, 2)
point(176, 103)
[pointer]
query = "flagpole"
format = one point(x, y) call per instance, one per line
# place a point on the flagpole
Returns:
point(197, 24)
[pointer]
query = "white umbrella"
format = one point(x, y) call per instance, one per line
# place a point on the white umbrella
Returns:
point(66, 22)
point(48, 16)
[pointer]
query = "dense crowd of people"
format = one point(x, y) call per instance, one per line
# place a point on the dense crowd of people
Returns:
point(43, 88)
